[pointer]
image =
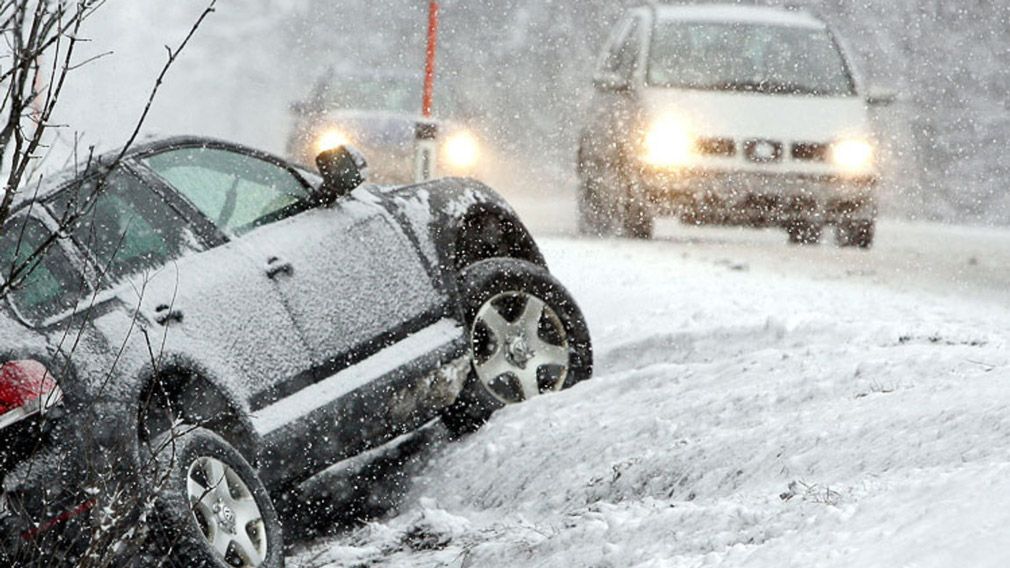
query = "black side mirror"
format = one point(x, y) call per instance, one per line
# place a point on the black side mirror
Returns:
point(343, 168)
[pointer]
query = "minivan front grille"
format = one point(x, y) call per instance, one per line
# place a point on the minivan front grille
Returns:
point(763, 151)
point(720, 147)
point(810, 152)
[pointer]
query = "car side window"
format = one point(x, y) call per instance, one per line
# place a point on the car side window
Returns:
point(44, 281)
point(235, 191)
point(124, 224)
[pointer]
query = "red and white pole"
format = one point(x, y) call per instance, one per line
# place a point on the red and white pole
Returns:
point(429, 61)
point(426, 133)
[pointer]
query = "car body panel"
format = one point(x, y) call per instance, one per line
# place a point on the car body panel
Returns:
point(218, 295)
point(334, 250)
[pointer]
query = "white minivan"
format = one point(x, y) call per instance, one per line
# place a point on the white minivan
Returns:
point(733, 115)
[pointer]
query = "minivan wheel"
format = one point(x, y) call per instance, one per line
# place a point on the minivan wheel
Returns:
point(803, 232)
point(852, 233)
point(212, 510)
point(593, 218)
point(527, 338)
point(639, 222)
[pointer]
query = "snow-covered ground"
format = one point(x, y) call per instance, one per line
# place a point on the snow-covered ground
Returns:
point(754, 405)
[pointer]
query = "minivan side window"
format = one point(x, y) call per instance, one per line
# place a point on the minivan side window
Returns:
point(44, 284)
point(126, 227)
point(237, 192)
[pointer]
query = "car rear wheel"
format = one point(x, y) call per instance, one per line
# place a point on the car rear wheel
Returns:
point(212, 510)
point(527, 338)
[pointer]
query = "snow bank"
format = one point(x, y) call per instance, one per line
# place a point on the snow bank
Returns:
point(738, 418)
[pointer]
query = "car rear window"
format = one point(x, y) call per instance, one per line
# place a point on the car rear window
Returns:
point(125, 226)
point(44, 280)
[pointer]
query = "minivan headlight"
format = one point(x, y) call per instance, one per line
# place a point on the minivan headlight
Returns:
point(853, 155)
point(668, 144)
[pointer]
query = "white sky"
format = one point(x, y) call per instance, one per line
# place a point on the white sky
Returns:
point(214, 89)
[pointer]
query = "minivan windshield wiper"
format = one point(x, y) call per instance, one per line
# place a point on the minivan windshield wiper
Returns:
point(761, 86)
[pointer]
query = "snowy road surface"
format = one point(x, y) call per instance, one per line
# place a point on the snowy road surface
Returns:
point(754, 405)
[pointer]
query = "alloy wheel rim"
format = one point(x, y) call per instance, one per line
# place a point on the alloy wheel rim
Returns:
point(227, 513)
point(520, 347)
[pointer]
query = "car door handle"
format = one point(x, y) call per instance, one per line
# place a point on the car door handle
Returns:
point(165, 314)
point(276, 267)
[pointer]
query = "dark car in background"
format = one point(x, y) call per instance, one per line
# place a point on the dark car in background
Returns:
point(213, 326)
point(378, 112)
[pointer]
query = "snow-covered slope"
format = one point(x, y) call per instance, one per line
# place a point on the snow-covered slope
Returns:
point(739, 417)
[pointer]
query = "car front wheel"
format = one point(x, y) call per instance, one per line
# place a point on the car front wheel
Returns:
point(212, 509)
point(593, 213)
point(527, 338)
point(637, 215)
point(803, 232)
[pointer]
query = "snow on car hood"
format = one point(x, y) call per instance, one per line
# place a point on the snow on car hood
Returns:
point(749, 115)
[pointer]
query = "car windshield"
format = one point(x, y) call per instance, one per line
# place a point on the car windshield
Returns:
point(749, 58)
point(375, 94)
point(392, 93)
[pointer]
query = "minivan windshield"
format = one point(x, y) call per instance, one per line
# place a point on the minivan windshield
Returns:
point(748, 58)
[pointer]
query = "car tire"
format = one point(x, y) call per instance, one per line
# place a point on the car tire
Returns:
point(803, 232)
point(639, 222)
point(231, 522)
point(855, 234)
point(506, 286)
point(593, 219)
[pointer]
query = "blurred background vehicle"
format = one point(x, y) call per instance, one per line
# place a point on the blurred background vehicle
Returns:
point(379, 112)
point(729, 115)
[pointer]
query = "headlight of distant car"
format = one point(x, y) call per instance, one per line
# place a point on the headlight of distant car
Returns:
point(331, 139)
point(668, 144)
point(853, 155)
point(462, 151)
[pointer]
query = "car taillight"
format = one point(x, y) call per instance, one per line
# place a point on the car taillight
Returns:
point(26, 388)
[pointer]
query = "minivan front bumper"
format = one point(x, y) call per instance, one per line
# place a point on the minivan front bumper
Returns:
point(760, 199)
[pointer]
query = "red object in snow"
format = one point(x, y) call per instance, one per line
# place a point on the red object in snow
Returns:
point(26, 386)
point(429, 68)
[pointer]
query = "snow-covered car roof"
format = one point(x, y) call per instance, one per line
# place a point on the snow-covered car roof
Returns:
point(739, 14)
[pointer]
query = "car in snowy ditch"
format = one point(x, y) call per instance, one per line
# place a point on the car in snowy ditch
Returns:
point(376, 113)
point(207, 327)
point(731, 115)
